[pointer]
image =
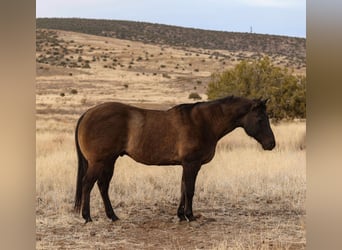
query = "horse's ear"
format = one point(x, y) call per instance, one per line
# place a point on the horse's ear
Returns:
point(258, 103)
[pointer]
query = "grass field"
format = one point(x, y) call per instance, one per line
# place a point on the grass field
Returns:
point(245, 198)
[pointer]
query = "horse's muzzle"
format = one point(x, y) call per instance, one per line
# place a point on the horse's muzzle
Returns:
point(269, 146)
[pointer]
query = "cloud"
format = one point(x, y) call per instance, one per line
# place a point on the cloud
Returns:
point(273, 3)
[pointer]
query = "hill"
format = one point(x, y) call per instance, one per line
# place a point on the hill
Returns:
point(291, 48)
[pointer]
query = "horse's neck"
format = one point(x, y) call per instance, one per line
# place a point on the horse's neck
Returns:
point(226, 120)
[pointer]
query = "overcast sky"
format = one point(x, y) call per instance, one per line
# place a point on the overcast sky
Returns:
point(276, 17)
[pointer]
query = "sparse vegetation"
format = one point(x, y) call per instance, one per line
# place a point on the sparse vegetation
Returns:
point(293, 48)
point(52, 50)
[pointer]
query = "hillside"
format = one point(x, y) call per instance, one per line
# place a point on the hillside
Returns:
point(291, 48)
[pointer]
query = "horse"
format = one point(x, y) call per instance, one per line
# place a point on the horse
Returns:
point(186, 135)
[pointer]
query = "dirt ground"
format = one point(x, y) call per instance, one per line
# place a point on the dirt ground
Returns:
point(155, 227)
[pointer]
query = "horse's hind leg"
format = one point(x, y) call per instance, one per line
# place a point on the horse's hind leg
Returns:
point(87, 185)
point(103, 184)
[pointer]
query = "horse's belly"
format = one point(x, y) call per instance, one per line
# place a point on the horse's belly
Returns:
point(154, 155)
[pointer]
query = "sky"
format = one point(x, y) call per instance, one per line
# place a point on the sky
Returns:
point(275, 17)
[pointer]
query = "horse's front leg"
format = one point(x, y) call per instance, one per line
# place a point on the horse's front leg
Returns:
point(190, 171)
point(180, 211)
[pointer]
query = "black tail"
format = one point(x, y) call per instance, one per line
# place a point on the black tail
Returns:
point(82, 168)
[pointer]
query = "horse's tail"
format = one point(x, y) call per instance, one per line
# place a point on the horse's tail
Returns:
point(82, 168)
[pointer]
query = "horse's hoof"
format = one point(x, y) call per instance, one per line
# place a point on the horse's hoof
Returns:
point(88, 220)
point(181, 218)
point(190, 218)
point(114, 218)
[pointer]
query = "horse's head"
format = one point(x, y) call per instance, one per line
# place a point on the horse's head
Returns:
point(257, 125)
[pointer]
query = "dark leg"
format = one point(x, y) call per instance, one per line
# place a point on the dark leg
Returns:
point(103, 184)
point(88, 182)
point(180, 211)
point(190, 172)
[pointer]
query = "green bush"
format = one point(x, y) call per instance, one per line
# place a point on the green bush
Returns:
point(260, 78)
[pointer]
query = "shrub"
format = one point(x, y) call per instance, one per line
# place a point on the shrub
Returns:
point(195, 96)
point(260, 78)
point(73, 91)
point(86, 66)
point(165, 75)
point(83, 101)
